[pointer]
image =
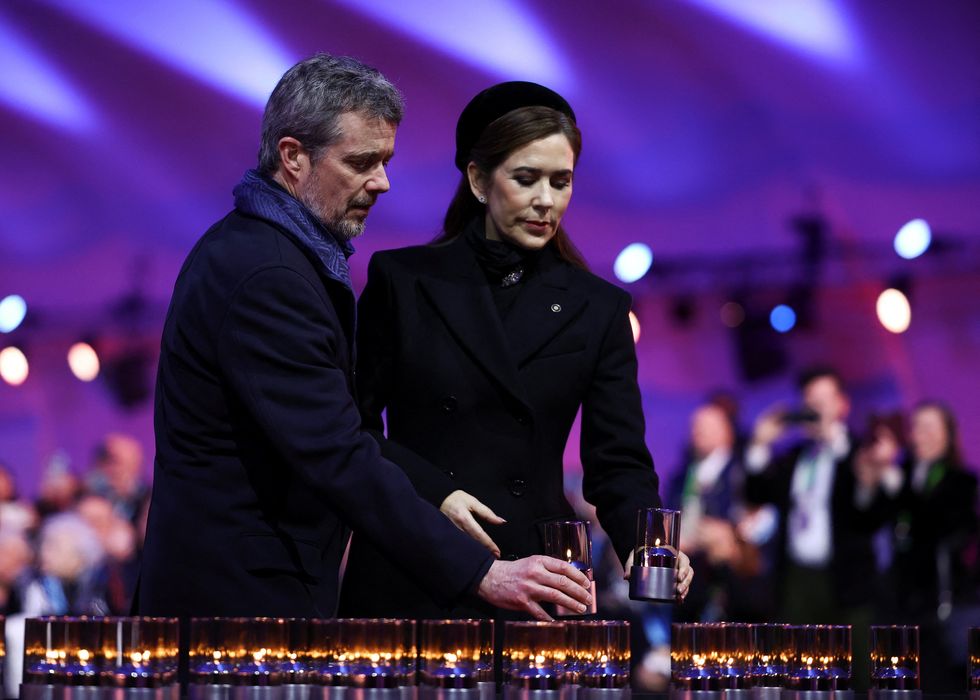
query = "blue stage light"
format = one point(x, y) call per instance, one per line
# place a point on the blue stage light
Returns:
point(215, 41)
point(816, 27)
point(913, 239)
point(518, 47)
point(782, 318)
point(633, 262)
point(33, 85)
point(13, 309)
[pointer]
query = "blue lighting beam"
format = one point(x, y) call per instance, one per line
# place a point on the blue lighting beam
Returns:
point(816, 27)
point(516, 46)
point(31, 84)
point(215, 41)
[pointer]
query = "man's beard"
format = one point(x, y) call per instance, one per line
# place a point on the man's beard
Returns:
point(341, 226)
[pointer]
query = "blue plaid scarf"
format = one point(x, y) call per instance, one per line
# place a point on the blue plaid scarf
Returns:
point(260, 196)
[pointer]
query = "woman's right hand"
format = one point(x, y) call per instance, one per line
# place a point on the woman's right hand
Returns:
point(463, 509)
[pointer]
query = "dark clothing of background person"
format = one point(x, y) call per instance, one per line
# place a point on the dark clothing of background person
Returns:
point(852, 562)
point(722, 591)
point(481, 384)
point(932, 582)
point(261, 465)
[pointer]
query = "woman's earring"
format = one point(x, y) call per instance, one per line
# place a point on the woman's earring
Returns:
point(481, 199)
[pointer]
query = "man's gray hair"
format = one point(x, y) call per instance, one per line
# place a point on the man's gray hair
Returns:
point(311, 96)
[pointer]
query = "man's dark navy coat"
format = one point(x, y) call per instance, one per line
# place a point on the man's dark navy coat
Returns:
point(261, 466)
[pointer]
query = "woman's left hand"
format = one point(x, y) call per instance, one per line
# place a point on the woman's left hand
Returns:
point(685, 574)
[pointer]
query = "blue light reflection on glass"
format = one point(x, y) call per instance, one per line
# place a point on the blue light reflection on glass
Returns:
point(32, 85)
point(817, 27)
point(782, 318)
point(518, 47)
point(913, 239)
point(212, 40)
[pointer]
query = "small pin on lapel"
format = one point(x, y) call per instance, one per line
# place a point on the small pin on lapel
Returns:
point(556, 307)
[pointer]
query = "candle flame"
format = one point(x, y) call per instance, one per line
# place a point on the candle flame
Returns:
point(894, 661)
point(451, 658)
point(568, 554)
point(216, 654)
point(539, 658)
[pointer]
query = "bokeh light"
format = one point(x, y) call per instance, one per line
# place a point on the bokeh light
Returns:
point(913, 239)
point(83, 361)
point(894, 311)
point(633, 262)
point(13, 366)
point(635, 325)
point(782, 318)
point(13, 309)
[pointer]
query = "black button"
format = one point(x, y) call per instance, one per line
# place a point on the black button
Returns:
point(518, 487)
point(449, 404)
point(451, 474)
point(523, 418)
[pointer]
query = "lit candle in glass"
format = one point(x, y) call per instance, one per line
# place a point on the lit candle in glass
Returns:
point(136, 652)
point(770, 654)
point(211, 663)
point(821, 658)
point(895, 657)
point(601, 653)
point(534, 656)
point(973, 650)
point(694, 652)
point(450, 653)
point(652, 576)
point(45, 651)
point(571, 541)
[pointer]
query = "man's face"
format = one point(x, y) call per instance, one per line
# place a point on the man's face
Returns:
point(343, 185)
point(825, 397)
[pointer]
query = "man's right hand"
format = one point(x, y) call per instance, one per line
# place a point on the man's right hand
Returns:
point(525, 583)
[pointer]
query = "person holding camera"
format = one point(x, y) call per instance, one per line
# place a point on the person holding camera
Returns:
point(826, 565)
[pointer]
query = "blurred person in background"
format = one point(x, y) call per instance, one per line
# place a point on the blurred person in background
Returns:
point(825, 567)
point(16, 515)
point(118, 538)
point(70, 574)
point(59, 488)
point(16, 559)
point(931, 495)
point(117, 474)
point(733, 576)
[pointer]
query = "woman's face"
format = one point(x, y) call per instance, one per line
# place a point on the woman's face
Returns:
point(528, 193)
point(929, 438)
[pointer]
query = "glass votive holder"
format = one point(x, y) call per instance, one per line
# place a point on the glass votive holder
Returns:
point(379, 653)
point(83, 647)
point(211, 657)
point(895, 657)
point(734, 656)
point(485, 663)
point(331, 662)
point(821, 658)
point(138, 652)
point(449, 651)
point(534, 656)
point(652, 576)
point(771, 650)
point(600, 655)
point(571, 541)
point(694, 652)
point(259, 648)
point(299, 665)
point(973, 661)
point(45, 650)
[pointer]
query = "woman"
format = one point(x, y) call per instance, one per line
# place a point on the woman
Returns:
point(482, 347)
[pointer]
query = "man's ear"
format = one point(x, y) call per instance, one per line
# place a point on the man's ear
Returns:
point(294, 161)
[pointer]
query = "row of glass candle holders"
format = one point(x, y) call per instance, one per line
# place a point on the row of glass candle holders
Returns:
point(799, 657)
point(143, 652)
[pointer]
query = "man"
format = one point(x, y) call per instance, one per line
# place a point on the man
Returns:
point(261, 465)
point(826, 566)
point(724, 538)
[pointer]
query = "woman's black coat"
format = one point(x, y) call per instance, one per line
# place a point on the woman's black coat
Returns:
point(484, 405)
